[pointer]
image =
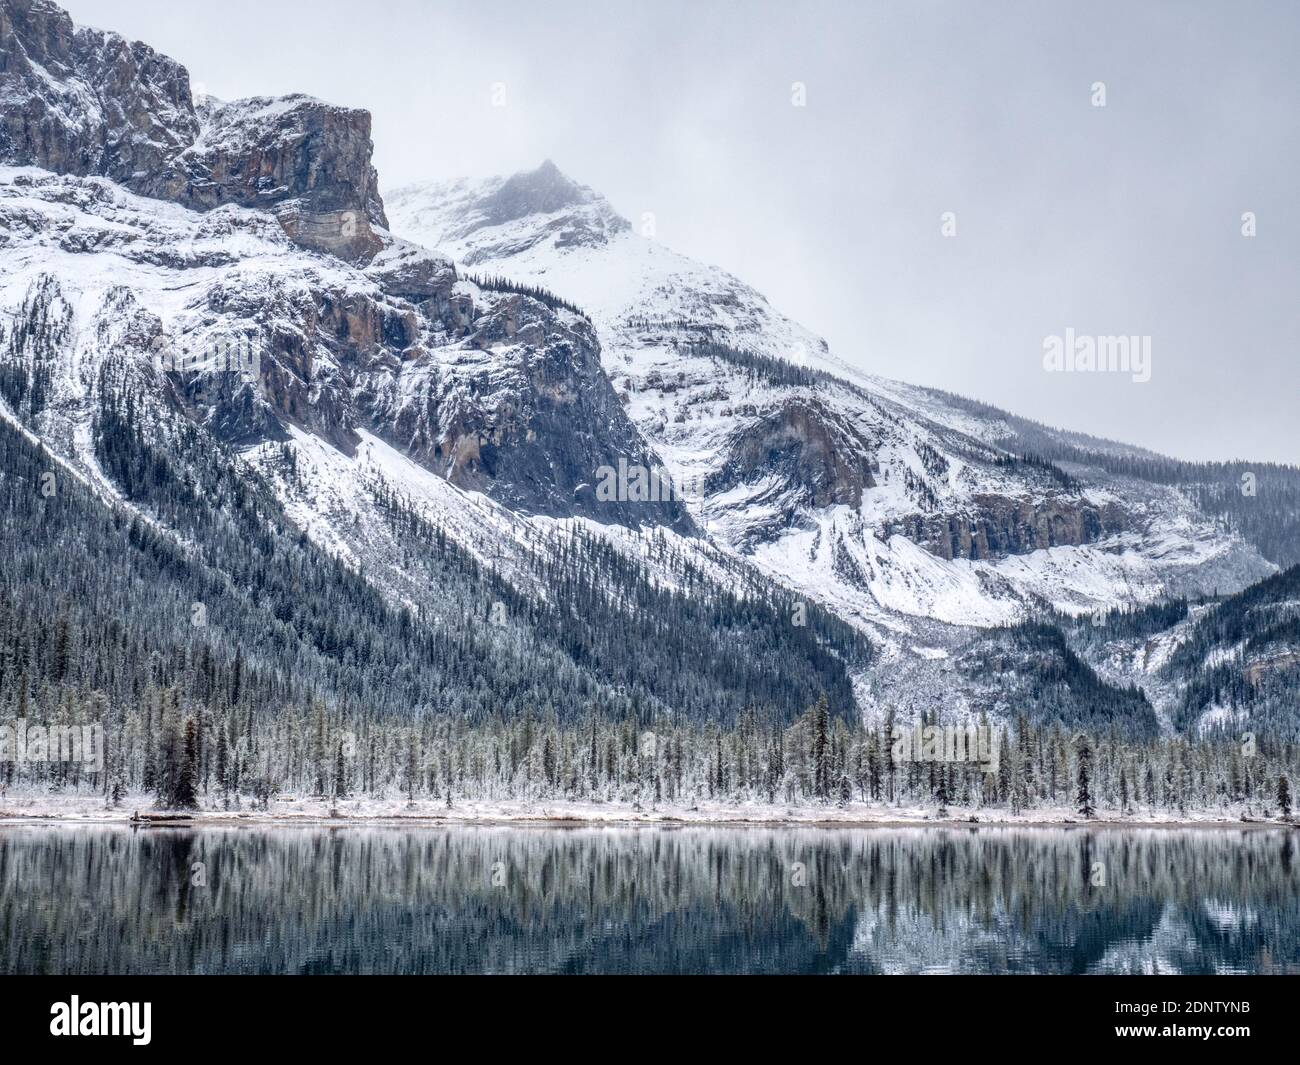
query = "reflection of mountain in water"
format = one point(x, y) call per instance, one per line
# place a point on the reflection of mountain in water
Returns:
point(1016, 902)
point(1220, 937)
point(496, 899)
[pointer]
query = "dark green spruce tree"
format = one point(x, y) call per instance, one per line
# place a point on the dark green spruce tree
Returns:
point(1084, 796)
point(185, 796)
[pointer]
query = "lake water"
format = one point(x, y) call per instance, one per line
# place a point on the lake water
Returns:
point(648, 900)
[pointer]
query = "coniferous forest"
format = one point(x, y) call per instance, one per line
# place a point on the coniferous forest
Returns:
point(253, 666)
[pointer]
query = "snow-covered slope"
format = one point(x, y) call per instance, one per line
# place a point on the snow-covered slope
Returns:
point(876, 497)
point(564, 236)
point(230, 311)
point(235, 288)
point(273, 348)
point(391, 409)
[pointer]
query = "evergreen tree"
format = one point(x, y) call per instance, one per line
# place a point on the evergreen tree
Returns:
point(821, 749)
point(185, 796)
point(1084, 796)
point(413, 769)
point(340, 773)
point(170, 750)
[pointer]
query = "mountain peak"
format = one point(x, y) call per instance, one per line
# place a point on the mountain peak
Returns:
point(475, 220)
point(544, 190)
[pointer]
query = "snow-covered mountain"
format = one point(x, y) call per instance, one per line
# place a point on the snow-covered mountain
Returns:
point(215, 327)
point(390, 406)
point(886, 501)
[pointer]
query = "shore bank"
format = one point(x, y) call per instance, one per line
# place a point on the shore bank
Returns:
point(90, 809)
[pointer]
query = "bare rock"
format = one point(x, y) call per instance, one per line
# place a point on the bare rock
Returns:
point(87, 102)
point(82, 101)
point(303, 159)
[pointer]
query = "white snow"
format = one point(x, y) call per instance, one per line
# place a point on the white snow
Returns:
point(691, 407)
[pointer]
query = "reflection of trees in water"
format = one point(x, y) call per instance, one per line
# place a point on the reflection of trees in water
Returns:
point(505, 899)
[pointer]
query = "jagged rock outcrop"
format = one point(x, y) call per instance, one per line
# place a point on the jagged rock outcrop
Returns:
point(305, 160)
point(996, 526)
point(531, 425)
point(493, 391)
point(805, 444)
point(83, 101)
point(87, 102)
point(416, 274)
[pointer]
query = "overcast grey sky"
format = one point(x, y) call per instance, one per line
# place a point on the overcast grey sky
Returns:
point(1123, 219)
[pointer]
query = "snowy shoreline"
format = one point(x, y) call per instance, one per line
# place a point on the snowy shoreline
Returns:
point(87, 809)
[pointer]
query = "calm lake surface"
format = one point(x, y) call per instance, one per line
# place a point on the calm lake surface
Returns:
point(648, 900)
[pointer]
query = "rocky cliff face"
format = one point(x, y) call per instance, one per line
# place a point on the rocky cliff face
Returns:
point(305, 160)
point(82, 101)
point(86, 102)
point(995, 527)
point(495, 391)
point(807, 445)
point(491, 390)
